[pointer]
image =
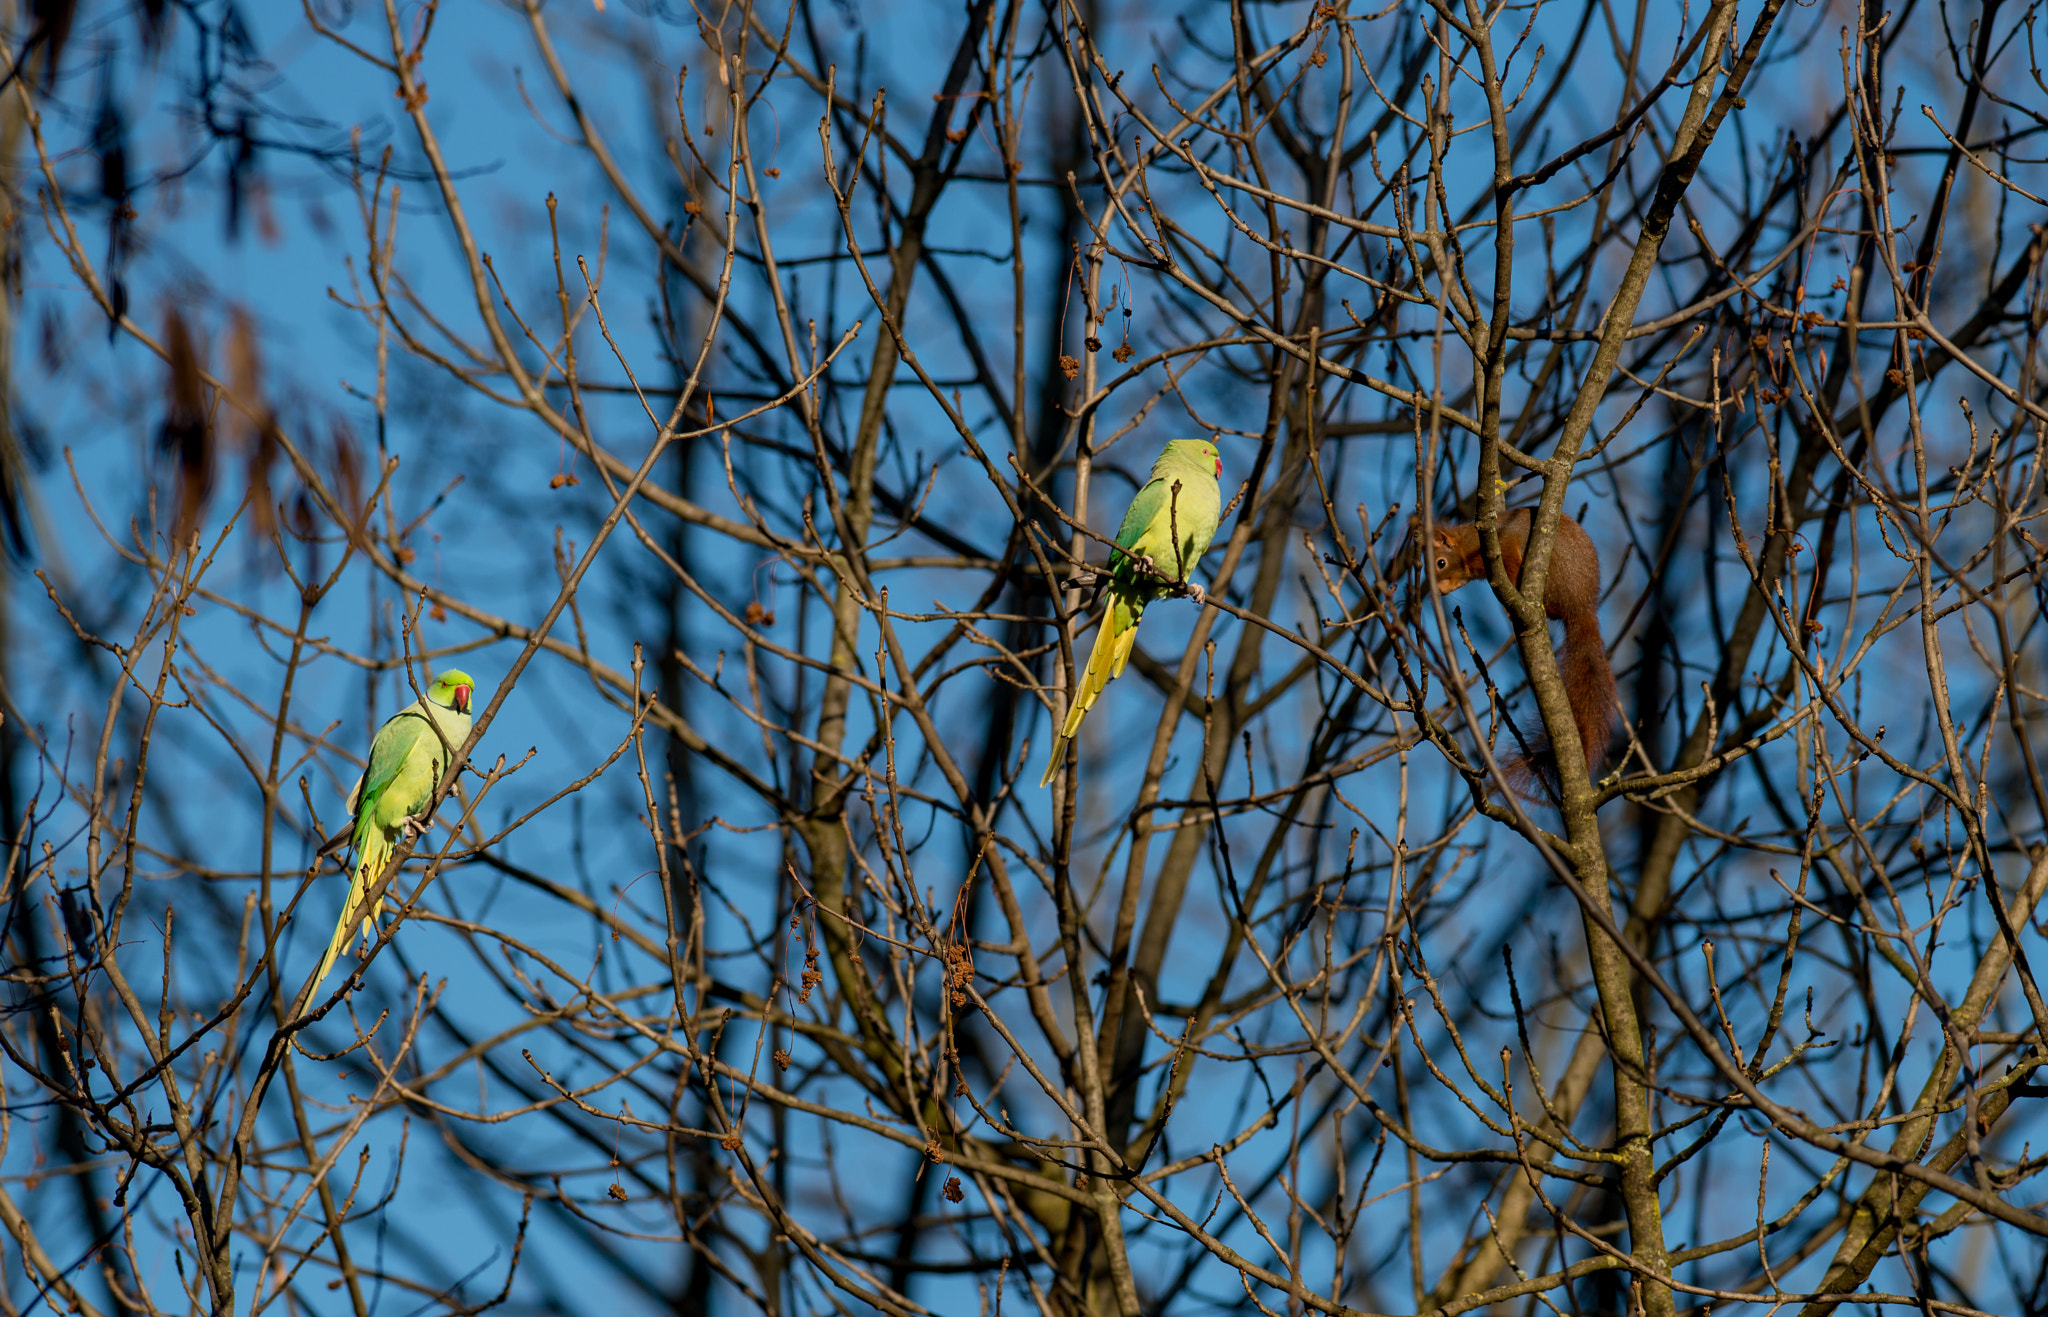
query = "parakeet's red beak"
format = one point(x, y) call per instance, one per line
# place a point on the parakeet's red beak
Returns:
point(1219, 468)
point(462, 699)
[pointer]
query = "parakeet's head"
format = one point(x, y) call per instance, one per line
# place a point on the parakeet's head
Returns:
point(452, 689)
point(1195, 452)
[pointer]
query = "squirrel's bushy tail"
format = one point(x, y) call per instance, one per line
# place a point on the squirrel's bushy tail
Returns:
point(1589, 685)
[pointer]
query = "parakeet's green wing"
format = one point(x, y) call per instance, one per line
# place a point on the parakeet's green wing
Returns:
point(396, 741)
point(1155, 514)
point(1150, 502)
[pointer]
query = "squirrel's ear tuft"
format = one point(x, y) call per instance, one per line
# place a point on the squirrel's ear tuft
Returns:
point(1443, 537)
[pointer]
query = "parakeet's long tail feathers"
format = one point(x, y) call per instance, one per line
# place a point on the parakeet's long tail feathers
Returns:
point(1119, 654)
point(1053, 761)
point(1112, 649)
point(373, 849)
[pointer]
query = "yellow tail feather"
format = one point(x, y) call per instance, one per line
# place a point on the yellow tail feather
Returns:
point(373, 850)
point(1120, 651)
point(1106, 659)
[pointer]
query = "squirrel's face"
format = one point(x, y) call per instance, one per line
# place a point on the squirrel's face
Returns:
point(1449, 564)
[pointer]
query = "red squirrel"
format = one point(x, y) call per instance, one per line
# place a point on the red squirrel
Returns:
point(1572, 595)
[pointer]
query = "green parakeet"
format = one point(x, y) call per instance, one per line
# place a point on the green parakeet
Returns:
point(406, 760)
point(1146, 563)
